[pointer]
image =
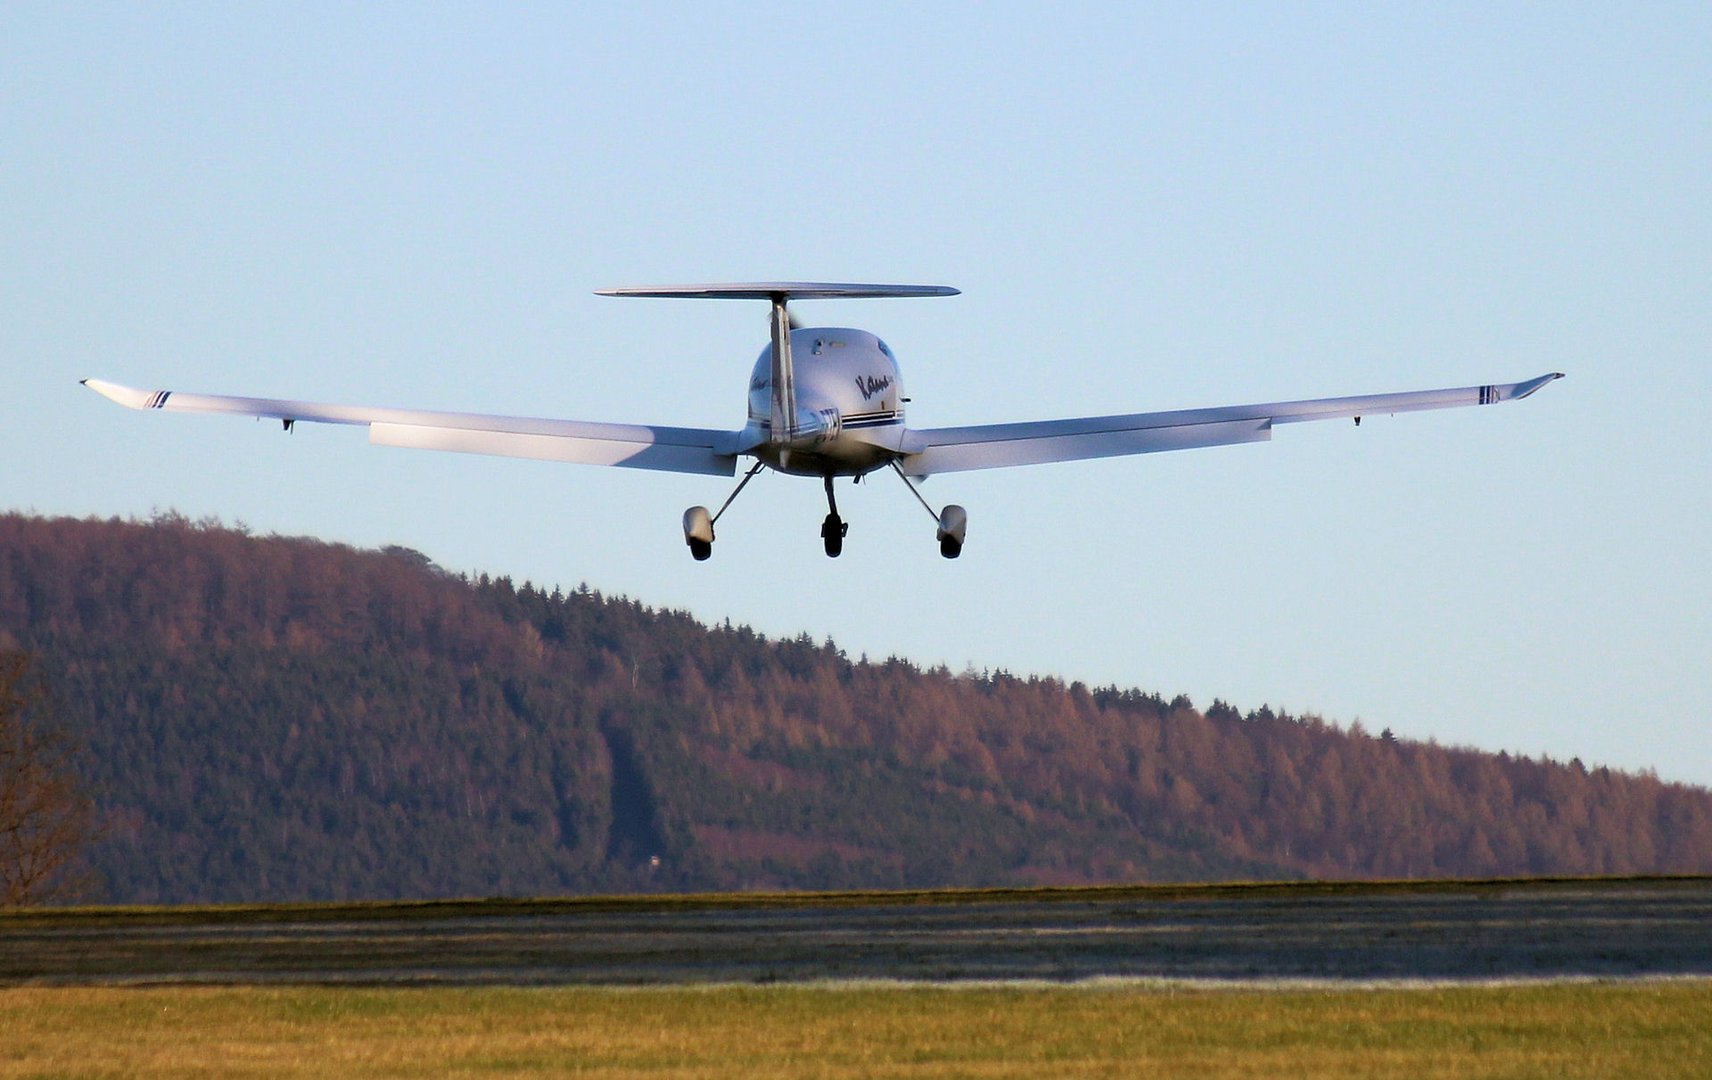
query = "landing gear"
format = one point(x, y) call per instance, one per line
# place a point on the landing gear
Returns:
point(953, 524)
point(698, 523)
point(832, 532)
point(953, 521)
point(834, 528)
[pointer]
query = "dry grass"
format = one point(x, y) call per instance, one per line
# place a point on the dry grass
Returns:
point(1577, 1030)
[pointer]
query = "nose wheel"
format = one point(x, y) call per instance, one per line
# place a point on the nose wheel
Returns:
point(832, 532)
point(834, 528)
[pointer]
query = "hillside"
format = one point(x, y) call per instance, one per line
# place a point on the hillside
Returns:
point(276, 718)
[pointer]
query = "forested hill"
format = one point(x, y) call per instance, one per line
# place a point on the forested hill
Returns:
point(273, 718)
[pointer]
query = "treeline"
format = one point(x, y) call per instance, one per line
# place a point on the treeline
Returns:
point(277, 718)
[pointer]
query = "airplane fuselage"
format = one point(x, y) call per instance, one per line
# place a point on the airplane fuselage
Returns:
point(850, 404)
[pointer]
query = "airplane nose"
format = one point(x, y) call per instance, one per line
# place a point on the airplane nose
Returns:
point(815, 426)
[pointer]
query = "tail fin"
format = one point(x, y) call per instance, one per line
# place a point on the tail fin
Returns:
point(784, 418)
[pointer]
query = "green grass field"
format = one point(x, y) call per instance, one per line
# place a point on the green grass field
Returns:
point(1556, 1030)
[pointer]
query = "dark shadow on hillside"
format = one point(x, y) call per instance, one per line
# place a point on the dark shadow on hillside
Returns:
point(634, 836)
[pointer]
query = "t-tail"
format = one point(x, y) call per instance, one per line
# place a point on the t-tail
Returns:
point(785, 426)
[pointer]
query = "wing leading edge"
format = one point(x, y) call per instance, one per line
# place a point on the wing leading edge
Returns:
point(636, 446)
point(990, 446)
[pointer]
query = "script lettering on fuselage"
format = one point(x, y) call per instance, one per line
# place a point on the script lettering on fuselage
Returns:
point(870, 385)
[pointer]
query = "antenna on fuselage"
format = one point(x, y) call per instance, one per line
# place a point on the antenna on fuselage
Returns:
point(779, 294)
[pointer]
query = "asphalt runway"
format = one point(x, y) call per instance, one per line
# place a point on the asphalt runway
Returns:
point(1361, 933)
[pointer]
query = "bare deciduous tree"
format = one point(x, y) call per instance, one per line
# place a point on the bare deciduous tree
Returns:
point(45, 819)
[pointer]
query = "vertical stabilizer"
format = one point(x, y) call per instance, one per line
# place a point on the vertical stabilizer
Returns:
point(784, 418)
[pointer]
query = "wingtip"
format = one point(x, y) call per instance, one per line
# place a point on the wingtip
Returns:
point(1524, 389)
point(121, 395)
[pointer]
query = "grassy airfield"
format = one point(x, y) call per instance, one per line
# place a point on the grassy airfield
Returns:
point(1559, 1030)
point(102, 992)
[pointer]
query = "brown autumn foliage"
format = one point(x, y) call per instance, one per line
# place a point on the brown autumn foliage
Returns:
point(46, 818)
point(277, 718)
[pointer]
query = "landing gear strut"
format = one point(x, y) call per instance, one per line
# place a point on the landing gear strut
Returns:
point(953, 521)
point(833, 529)
point(698, 523)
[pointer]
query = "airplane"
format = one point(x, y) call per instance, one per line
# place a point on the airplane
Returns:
point(824, 402)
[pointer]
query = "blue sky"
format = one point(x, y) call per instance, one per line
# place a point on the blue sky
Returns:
point(1203, 205)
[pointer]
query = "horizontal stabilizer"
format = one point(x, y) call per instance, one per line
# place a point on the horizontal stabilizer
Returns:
point(789, 290)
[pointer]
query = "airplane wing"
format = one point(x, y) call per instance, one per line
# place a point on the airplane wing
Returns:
point(991, 446)
point(635, 446)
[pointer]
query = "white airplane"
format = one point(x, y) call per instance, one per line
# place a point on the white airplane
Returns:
point(825, 402)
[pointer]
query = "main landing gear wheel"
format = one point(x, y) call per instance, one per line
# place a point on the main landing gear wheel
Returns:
point(952, 522)
point(698, 532)
point(953, 526)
